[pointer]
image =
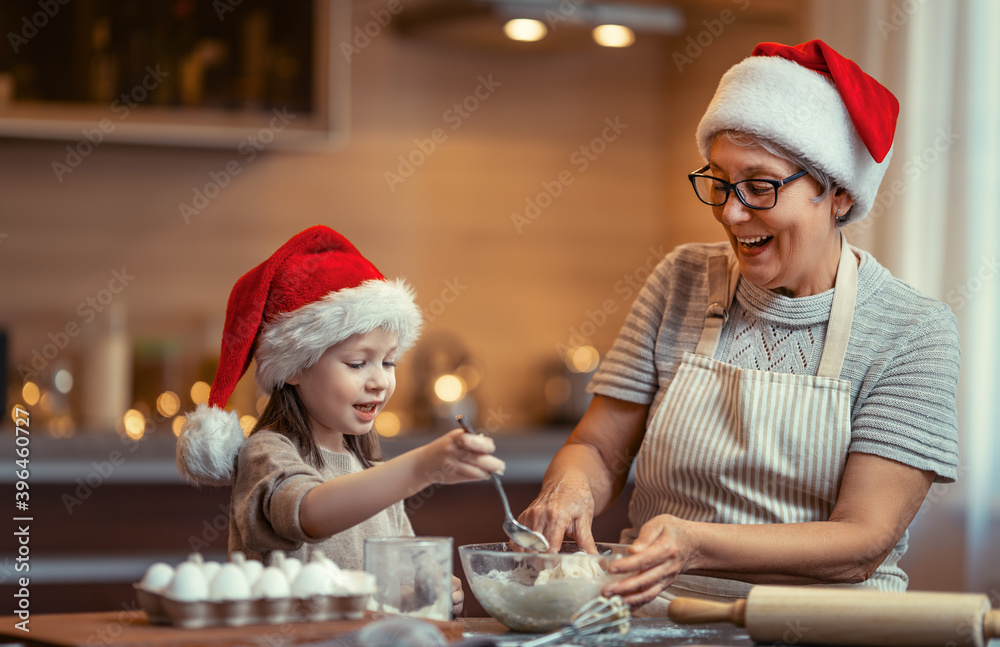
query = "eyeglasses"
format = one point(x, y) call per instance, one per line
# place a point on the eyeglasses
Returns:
point(755, 194)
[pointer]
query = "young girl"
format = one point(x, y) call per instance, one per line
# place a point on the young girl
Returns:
point(326, 329)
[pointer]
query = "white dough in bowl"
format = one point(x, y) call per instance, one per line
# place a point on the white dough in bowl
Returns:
point(528, 600)
point(537, 592)
point(572, 567)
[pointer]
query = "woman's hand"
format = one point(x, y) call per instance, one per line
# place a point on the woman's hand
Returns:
point(459, 456)
point(457, 596)
point(563, 508)
point(588, 472)
point(662, 551)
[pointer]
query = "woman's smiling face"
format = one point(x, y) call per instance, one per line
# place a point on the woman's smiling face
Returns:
point(792, 248)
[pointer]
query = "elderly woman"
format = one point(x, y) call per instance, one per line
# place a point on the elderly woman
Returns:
point(787, 401)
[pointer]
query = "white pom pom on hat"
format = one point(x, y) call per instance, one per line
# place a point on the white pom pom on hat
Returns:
point(813, 102)
point(316, 290)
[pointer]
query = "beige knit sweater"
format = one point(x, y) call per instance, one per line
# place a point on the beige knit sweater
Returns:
point(271, 479)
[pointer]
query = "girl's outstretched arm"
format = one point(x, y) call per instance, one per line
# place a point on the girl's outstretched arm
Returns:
point(346, 501)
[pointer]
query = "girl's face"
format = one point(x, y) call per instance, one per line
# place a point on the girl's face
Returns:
point(793, 248)
point(348, 386)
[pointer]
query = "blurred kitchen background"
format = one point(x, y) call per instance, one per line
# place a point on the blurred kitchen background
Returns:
point(525, 177)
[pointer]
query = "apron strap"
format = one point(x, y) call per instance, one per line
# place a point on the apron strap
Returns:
point(838, 331)
point(723, 276)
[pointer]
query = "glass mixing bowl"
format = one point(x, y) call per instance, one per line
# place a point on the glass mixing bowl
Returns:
point(536, 592)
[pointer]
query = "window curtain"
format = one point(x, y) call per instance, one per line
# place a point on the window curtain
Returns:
point(936, 223)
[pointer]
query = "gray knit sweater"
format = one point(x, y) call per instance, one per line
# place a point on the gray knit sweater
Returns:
point(902, 359)
point(271, 479)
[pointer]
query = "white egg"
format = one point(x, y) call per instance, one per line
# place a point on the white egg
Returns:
point(353, 583)
point(157, 577)
point(229, 584)
point(252, 569)
point(271, 584)
point(292, 567)
point(210, 570)
point(331, 566)
point(311, 580)
point(188, 584)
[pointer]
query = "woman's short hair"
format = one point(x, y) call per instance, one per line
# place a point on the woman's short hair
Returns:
point(745, 139)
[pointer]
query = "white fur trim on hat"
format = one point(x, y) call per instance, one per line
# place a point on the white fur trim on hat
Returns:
point(295, 340)
point(800, 110)
point(209, 443)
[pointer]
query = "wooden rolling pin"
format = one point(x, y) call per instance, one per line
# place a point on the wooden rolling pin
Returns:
point(811, 615)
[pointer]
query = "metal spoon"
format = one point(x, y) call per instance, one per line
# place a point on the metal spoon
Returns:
point(521, 535)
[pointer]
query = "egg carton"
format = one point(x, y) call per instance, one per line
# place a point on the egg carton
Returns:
point(164, 610)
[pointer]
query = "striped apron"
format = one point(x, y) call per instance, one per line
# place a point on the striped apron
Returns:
point(740, 446)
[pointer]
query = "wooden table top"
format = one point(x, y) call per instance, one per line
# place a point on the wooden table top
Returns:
point(131, 629)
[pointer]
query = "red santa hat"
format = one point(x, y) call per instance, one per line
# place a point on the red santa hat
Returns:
point(316, 290)
point(813, 102)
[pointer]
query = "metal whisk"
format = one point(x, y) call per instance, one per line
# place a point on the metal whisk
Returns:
point(596, 616)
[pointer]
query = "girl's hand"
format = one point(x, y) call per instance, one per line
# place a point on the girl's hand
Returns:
point(459, 456)
point(660, 553)
point(457, 596)
point(565, 508)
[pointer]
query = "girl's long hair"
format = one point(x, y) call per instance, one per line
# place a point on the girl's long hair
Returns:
point(285, 414)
